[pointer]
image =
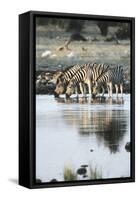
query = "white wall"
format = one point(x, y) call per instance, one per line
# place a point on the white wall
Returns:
point(9, 98)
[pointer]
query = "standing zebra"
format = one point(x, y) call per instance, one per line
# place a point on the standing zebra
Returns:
point(113, 77)
point(64, 78)
point(86, 75)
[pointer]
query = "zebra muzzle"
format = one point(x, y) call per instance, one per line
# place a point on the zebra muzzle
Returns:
point(56, 95)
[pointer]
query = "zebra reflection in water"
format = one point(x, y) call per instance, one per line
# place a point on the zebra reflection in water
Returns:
point(84, 100)
point(109, 126)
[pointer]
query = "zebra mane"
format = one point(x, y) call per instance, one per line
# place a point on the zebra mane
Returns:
point(68, 68)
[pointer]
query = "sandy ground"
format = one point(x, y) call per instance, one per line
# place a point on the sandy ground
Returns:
point(49, 55)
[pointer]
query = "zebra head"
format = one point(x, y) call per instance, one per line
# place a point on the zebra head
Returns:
point(55, 77)
point(60, 86)
point(70, 89)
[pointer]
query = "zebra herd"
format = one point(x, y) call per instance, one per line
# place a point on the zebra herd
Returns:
point(92, 76)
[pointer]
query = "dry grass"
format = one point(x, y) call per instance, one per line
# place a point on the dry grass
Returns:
point(95, 173)
point(69, 174)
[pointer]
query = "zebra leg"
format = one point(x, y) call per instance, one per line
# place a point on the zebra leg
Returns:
point(121, 89)
point(110, 90)
point(81, 88)
point(76, 91)
point(84, 89)
point(90, 87)
point(103, 91)
point(116, 88)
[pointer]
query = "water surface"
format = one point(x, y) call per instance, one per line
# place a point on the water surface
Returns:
point(76, 132)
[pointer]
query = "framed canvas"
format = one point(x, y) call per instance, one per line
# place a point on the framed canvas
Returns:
point(76, 99)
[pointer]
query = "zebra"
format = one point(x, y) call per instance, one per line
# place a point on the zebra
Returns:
point(86, 75)
point(64, 78)
point(113, 77)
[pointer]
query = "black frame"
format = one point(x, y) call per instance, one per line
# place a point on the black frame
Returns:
point(27, 99)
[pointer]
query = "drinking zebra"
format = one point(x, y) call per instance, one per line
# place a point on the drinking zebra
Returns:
point(113, 77)
point(64, 78)
point(86, 75)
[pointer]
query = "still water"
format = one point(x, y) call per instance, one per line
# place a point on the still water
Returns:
point(77, 132)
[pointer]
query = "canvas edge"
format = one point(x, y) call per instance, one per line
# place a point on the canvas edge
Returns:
point(30, 181)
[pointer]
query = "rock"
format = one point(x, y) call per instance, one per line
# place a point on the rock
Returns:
point(85, 176)
point(84, 166)
point(82, 171)
point(47, 88)
point(54, 180)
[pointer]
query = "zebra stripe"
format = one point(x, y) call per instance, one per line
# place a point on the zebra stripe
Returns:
point(86, 74)
point(69, 73)
point(112, 77)
point(64, 79)
point(97, 70)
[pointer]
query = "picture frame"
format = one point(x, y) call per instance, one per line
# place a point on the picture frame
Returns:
point(27, 97)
